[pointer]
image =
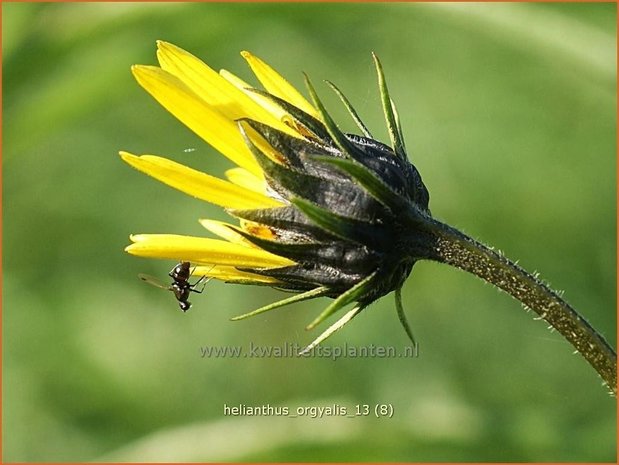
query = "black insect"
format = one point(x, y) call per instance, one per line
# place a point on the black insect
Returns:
point(181, 287)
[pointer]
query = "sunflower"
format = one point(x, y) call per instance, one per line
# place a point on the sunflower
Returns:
point(318, 212)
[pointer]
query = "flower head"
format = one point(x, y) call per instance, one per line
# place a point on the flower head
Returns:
point(320, 212)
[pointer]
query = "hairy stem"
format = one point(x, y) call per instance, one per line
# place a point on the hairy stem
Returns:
point(454, 248)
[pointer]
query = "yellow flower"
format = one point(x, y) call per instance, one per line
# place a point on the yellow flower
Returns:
point(318, 210)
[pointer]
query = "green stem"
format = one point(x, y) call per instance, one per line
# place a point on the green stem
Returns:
point(454, 248)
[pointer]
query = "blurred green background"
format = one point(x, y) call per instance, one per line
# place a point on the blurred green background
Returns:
point(509, 112)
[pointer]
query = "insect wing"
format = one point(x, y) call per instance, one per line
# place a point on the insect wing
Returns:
point(154, 282)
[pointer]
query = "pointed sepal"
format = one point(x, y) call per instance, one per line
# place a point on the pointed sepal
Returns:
point(390, 117)
point(351, 110)
point(402, 316)
point(339, 324)
point(354, 294)
point(314, 293)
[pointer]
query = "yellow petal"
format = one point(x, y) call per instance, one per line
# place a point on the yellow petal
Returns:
point(202, 250)
point(198, 184)
point(207, 122)
point(213, 88)
point(230, 274)
point(221, 229)
point(242, 177)
point(261, 100)
point(277, 85)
